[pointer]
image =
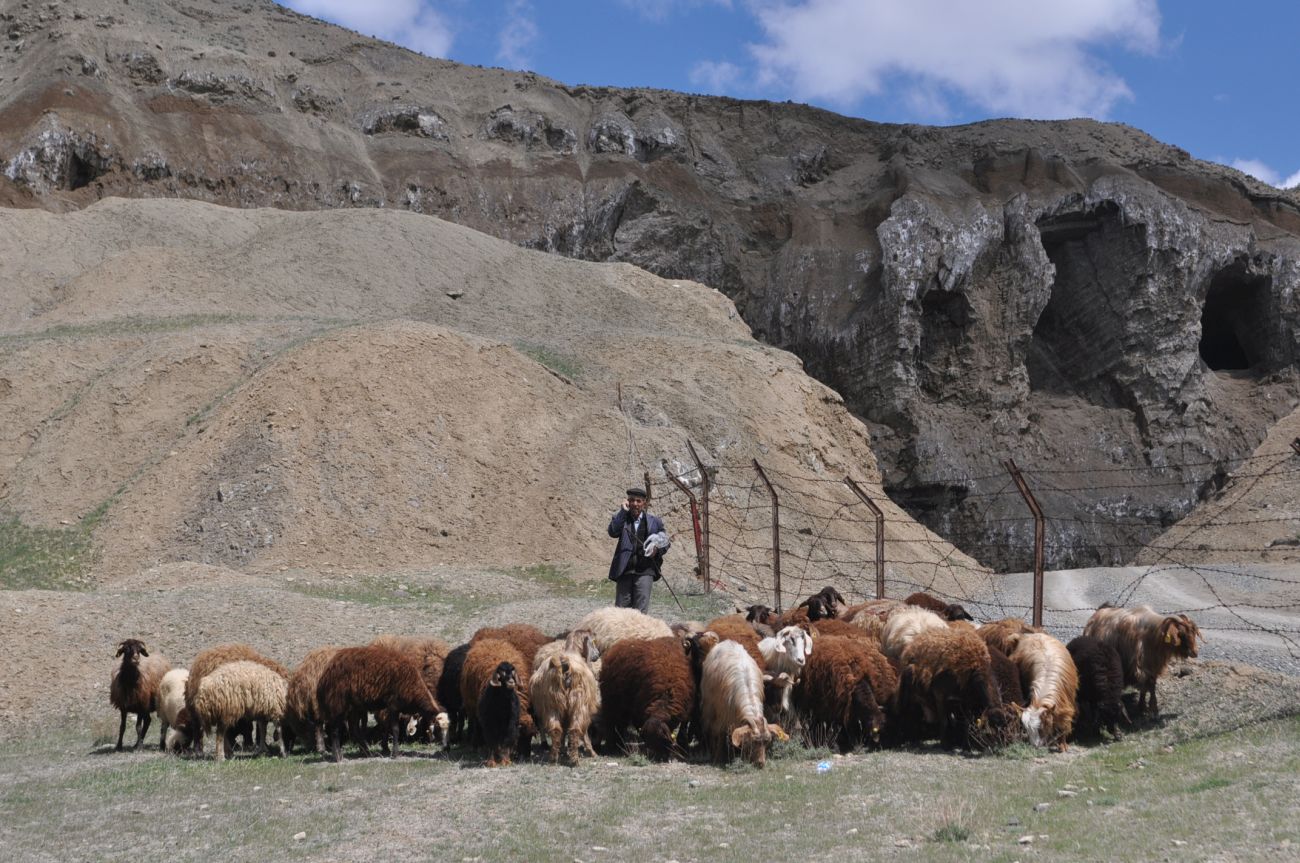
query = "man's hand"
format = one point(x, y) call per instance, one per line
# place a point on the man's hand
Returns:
point(627, 504)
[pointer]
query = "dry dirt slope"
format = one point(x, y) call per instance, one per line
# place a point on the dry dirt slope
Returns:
point(364, 389)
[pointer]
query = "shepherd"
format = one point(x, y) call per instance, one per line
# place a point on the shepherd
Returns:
point(642, 543)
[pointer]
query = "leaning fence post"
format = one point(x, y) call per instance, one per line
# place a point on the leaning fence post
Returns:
point(649, 493)
point(705, 484)
point(1038, 537)
point(695, 521)
point(880, 534)
point(776, 536)
point(1295, 445)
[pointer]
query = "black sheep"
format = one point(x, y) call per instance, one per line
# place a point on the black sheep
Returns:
point(498, 715)
point(1101, 685)
point(448, 693)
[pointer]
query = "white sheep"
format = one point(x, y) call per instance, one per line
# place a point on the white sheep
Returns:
point(608, 626)
point(239, 691)
point(171, 701)
point(731, 705)
point(786, 651)
point(904, 625)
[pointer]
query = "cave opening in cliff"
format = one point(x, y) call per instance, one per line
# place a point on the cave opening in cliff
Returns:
point(1079, 336)
point(81, 172)
point(1234, 320)
point(945, 318)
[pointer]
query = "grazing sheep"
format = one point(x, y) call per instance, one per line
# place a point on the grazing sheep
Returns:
point(832, 626)
point(652, 684)
point(213, 658)
point(1145, 641)
point(948, 611)
point(608, 626)
point(498, 712)
point(134, 687)
point(482, 663)
point(579, 641)
point(303, 721)
point(448, 693)
point(729, 629)
point(565, 698)
point(764, 620)
point(171, 704)
point(525, 637)
point(841, 696)
point(880, 609)
point(1003, 634)
point(786, 651)
point(731, 705)
point(1007, 675)
point(1053, 685)
point(374, 678)
point(240, 691)
point(429, 655)
point(947, 685)
point(906, 624)
point(1101, 684)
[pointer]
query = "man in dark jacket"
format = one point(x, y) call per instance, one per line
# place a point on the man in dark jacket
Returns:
point(632, 570)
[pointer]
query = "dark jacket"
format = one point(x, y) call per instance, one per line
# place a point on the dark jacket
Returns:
point(620, 526)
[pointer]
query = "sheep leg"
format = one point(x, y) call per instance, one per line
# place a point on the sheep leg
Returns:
point(396, 730)
point(573, 747)
point(121, 731)
point(142, 721)
point(260, 734)
point(357, 730)
point(221, 744)
point(319, 734)
point(336, 740)
point(162, 735)
point(1155, 708)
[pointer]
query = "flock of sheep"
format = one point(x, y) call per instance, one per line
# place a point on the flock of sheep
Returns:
point(883, 672)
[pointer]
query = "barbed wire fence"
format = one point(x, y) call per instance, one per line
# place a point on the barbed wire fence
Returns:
point(772, 536)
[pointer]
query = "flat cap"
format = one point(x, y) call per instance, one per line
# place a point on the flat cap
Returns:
point(637, 492)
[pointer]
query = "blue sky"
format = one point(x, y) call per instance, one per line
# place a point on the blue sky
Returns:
point(1215, 78)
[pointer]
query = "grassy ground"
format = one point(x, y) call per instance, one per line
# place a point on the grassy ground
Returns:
point(1228, 796)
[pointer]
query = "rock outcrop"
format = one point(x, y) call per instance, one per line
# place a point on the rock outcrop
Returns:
point(1075, 295)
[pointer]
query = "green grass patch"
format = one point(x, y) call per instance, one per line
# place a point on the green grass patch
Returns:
point(133, 325)
point(1209, 784)
point(48, 558)
point(561, 364)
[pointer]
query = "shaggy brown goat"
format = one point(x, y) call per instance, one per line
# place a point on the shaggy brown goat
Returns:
point(1101, 685)
point(1145, 641)
point(359, 680)
point(652, 685)
point(565, 698)
point(1053, 686)
point(134, 687)
point(841, 696)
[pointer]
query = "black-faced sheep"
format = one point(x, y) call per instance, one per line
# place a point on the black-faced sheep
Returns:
point(1053, 681)
point(213, 658)
point(731, 705)
point(372, 678)
point(652, 685)
point(946, 686)
point(842, 693)
point(612, 625)
point(565, 699)
point(1101, 685)
point(498, 712)
point(904, 625)
point(1145, 641)
point(482, 663)
point(303, 722)
point(946, 610)
point(764, 620)
point(134, 687)
point(171, 704)
point(236, 692)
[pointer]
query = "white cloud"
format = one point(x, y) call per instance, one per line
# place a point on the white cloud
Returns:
point(715, 78)
point(413, 23)
point(517, 37)
point(1016, 57)
point(658, 10)
point(1265, 173)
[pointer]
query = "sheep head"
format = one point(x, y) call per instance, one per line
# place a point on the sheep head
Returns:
point(957, 612)
point(760, 614)
point(130, 648)
point(504, 676)
point(817, 608)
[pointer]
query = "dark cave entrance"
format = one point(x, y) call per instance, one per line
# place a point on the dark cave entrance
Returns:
point(945, 318)
point(1234, 320)
point(81, 172)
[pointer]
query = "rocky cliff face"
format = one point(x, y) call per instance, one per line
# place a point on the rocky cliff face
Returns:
point(1073, 295)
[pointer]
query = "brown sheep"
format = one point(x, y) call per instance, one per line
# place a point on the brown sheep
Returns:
point(1046, 665)
point(728, 629)
point(525, 637)
point(947, 684)
point(841, 696)
point(429, 655)
point(948, 611)
point(210, 660)
point(653, 685)
point(302, 716)
point(832, 626)
point(904, 625)
point(1145, 641)
point(1101, 685)
point(1003, 634)
point(134, 687)
point(877, 608)
point(359, 680)
point(482, 662)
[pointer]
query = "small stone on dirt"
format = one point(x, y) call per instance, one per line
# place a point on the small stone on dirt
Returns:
point(1067, 793)
point(1042, 807)
point(298, 837)
point(1026, 840)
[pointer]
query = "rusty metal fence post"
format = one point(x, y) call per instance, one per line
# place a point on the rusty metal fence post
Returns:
point(706, 482)
point(695, 522)
point(776, 536)
point(1038, 537)
point(880, 534)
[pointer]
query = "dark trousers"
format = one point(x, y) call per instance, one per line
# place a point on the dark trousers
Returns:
point(633, 591)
